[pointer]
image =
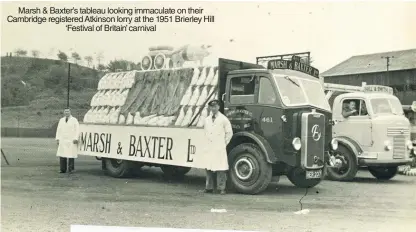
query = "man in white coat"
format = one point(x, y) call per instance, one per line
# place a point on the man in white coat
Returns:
point(219, 133)
point(67, 138)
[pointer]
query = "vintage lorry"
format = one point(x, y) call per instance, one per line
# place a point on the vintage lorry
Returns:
point(377, 137)
point(280, 118)
point(410, 113)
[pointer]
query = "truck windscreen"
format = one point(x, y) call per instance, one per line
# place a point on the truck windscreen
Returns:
point(386, 106)
point(296, 91)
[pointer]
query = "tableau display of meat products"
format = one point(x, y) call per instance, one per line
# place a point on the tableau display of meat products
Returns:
point(160, 91)
point(134, 92)
point(145, 108)
point(155, 97)
point(184, 82)
point(150, 79)
point(173, 83)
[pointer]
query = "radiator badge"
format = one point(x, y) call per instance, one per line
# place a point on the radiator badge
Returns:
point(316, 132)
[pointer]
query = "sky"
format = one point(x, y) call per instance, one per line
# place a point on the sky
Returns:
point(331, 31)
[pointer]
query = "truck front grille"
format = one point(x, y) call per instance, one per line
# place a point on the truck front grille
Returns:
point(393, 131)
point(313, 139)
point(399, 147)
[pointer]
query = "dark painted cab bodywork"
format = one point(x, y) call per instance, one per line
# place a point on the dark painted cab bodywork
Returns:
point(275, 135)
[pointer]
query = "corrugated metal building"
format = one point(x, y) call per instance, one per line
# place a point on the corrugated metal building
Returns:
point(372, 69)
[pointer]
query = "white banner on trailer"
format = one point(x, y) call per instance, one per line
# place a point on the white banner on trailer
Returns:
point(172, 146)
point(81, 228)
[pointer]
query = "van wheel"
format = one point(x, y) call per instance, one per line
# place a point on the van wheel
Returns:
point(174, 171)
point(118, 168)
point(250, 173)
point(383, 173)
point(348, 169)
point(298, 177)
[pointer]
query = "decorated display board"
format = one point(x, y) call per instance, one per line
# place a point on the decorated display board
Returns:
point(293, 64)
point(377, 89)
point(166, 97)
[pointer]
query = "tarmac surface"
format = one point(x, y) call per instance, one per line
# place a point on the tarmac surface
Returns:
point(36, 197)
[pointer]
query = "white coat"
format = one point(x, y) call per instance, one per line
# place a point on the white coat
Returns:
point(219, 134)
point(66, 133)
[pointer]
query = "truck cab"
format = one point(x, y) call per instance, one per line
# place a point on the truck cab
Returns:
point(376, 136)
point(280, 115)
point(410, 113)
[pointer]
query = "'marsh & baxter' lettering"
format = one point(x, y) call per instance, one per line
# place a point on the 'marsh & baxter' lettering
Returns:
point(96, 142)
point(151, 146)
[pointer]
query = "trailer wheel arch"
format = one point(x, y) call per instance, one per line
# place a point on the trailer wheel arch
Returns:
point(247, 137)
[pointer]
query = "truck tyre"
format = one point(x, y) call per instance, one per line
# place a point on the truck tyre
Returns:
point(383, 173)
point(349, 167)
point(175, 171)
point(298, 177)
point(250, 173)
point(118, 168)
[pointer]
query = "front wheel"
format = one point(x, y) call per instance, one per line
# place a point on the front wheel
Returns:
point(383, 173)
point(298, 177)
point(250, 173)
point(175, 171)
point(348, 168)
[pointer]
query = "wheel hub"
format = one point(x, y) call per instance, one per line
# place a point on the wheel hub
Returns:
point(243, 169)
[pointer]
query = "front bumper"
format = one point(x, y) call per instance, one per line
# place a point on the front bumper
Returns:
point(384, 163)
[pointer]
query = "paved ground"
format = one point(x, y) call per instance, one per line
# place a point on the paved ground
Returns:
point(35, 197)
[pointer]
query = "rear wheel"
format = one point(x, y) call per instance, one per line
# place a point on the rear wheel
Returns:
point(348, 168)
point(175, 171)
point(250, 173)
point(298, 177)
point(383, 173)
point(119, 168)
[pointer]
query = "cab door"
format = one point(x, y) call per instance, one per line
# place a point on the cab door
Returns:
point(240, 101)
point(358, 127)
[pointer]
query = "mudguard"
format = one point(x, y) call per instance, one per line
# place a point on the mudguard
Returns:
point(259, 141)
point(351, 144)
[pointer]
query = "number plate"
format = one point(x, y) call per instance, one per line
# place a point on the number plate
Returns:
point(313, 174)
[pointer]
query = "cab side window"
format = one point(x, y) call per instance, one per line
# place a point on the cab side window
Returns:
point(242, 90)
point(354, 107)
point(267, 95)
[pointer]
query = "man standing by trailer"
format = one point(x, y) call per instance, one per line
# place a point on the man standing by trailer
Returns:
point(219, 133)
point(67, 139)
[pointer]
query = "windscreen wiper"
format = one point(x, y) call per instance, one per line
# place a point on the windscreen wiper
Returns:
point(289, 79)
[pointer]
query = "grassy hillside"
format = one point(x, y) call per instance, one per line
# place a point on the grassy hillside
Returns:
point(34, 91)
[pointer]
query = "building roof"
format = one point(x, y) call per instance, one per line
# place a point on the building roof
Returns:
point(371, 63)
